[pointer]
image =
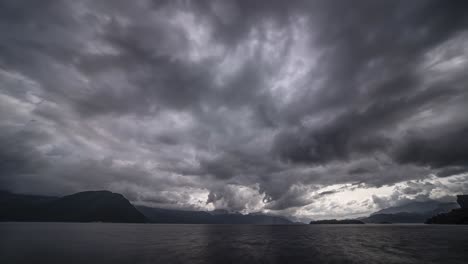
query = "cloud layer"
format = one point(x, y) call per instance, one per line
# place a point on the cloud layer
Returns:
point(274, 106)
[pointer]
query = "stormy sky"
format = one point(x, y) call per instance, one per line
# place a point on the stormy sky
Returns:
point(307, 109)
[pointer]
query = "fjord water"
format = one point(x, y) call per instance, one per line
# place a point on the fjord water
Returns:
point(157, 243)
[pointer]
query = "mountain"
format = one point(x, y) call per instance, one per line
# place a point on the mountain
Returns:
point(456, 216)
point(402, 217)
point(335, 222)
point(20, 207)
point(105, 206)
point(90, 206)
point(419, 208)
point(413, 212)
point(158, 215)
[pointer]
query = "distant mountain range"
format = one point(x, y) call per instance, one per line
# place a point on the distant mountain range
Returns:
point(420, 208)
point(91, 206)
point(105, 206)
point(158, 215)
point(413, 212)
point(336, 222)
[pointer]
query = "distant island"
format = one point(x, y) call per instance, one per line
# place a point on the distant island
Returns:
point(456, 216)
point(334, 222)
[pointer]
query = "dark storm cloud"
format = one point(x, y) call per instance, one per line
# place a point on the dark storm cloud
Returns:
point(451, 170)
point(236, 104)
point(439, 150)
point(18, 155)
point(373, 77)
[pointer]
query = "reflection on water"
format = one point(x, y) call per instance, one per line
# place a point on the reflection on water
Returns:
point(148, 243)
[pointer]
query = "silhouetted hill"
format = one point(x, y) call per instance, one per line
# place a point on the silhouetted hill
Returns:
point(21, 207)
point(456, 216)
point(158, 215)
point(90, 206)
point(462, 200)
point(334, 222)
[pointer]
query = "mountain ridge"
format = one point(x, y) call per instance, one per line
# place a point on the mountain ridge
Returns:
point(419, 207)
point(457, 216)
point(411, 212)
point(170, 216)
point(88, 206)
point(106, 206)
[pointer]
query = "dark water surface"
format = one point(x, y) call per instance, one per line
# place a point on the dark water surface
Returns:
point(152, 243)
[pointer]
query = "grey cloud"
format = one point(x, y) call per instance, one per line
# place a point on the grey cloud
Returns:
point(327, 192)
point(295, 196)
point(436, 150)
point(243, 105)
point(451, 170)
